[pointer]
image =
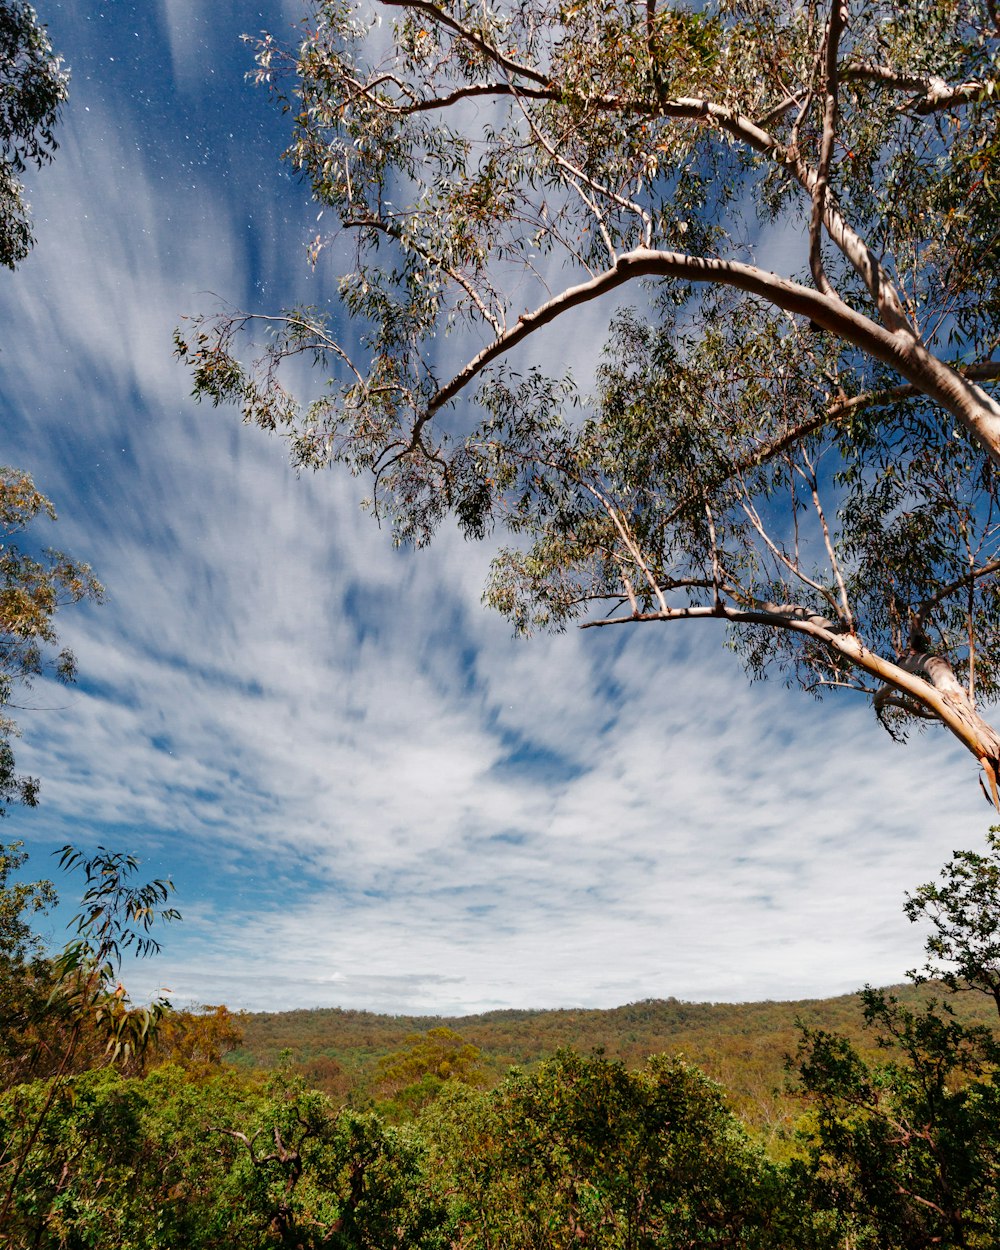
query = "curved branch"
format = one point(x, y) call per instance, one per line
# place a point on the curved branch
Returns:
point(729, 120)
point(927, 680)
point(970, 406)
point(934, 95)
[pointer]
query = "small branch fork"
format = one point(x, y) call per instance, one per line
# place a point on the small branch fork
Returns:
point(283, 1218)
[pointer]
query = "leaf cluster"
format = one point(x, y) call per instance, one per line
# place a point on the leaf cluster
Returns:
point(906, 1145)
point(32, 91)
point(33, 588)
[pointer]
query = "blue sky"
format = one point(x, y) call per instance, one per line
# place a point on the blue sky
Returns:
point(366, 792)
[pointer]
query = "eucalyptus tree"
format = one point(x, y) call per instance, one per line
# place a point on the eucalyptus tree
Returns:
point(810, 456)
point(905, 1146)
point(32, 91)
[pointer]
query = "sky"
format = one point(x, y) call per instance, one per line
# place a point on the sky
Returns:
point(366, 792)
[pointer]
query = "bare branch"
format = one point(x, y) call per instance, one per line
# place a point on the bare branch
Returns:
point(624, 531)
point(629, 590)
point(887, 697)
point(857, 686)
point(322, 342)
point(716, 568)
point(777, 113)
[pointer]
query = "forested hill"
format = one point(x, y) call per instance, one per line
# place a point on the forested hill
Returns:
point(741, 1045)
point(706, 1032)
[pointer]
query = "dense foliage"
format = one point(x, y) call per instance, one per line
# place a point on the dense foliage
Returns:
point(581, 1151)
point(32, 90)
point(895, 1144)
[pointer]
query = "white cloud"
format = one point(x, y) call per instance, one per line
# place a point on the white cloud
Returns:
point(368, 793)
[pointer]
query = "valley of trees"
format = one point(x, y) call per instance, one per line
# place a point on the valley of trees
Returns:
point(147, 1128)
point(742, 1046)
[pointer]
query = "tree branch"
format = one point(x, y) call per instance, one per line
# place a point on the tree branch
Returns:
point(820, 188)
point(986, 372)
point(472, 91)
point(441, 18)
point(754, 136)
point(934, 94)
point(741, 128)
point(577, 176)
point(887, 697)
point(970, 406)
point(927, 680)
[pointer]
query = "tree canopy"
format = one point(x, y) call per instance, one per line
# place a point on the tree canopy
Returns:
point(33, 587)
point(32, 90)
point(809, 455)
point(904, 1144)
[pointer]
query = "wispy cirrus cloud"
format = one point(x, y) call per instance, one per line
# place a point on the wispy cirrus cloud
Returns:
point(367, 792)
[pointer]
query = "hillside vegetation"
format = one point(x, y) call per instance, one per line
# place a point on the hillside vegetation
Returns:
point(743, 1046)
point(865, 1122)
